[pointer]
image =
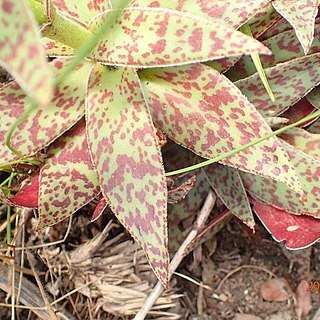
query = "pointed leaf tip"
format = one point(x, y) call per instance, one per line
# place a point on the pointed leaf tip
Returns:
point(21, 51)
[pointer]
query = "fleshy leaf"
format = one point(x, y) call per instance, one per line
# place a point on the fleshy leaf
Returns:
point(68, 180)
point(178, 193)
point(285, 46)
point(42, 125)
point(100, 207)
point(314, 96)
point(227, 183)
point(298, 111)
point(290, 81)
point(263, 20)
point(301, 14)
point(280, 196)
point(55, 48)
point(21, 52)
point(146, 37)
point(226, 12)
point(202, 110)
point(302, 140)
point(28, 195)
point(298, 232)
point(127, 158)
point(81, 10)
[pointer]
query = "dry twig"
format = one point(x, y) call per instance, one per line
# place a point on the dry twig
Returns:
point(181, 253)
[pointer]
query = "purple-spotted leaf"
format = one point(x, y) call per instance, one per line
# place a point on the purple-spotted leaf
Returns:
point(230, 13)
point(314, 96)
point(82, 11)
point(285, 46)
point(298, 232)
point(280, 26)
point(68, 180)
point(227, 184)
point(127, 158)
point(301, 15)
point(302, 140)
point(289, 81)
point(146, 37)
point(21, 52)
point(55, 48)
point(181, 215)
point(44, 124)
point(100, 207)
point(202, 110)
point(263, 20)
point(276, 121)
point(280, 196)
point(28, 195)
point(178, 193)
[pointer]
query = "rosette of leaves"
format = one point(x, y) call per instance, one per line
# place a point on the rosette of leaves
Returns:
point(161, 65)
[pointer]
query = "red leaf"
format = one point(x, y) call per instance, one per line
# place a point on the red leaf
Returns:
point(28, 195)
point(298, 231)
point(102, 204)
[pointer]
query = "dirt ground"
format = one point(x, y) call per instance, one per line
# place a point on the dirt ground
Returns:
point(229, 271)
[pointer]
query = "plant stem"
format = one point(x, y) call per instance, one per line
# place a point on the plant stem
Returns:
point(248, 145)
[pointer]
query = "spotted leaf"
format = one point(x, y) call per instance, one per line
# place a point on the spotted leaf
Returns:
point(55, 48)
point(227, 12)
point(178, 193)
point(278, 195)
point(202, 110)
point(302, 140)
point(298, 232)
point(145, 37)
point(227, 184)
point(314, 97)
point(127, 157)
point(301, 15)
point(100, 207)
point(263, 20)
point(285, 46)
point(68, 180)
point(289, 81)
point(21, 52)
point(44, 124)
point(82, 11)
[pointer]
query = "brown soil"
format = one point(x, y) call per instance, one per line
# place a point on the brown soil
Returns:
point(233, 265)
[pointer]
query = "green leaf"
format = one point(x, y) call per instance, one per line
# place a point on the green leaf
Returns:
point(285, 46)
point(227, 183)
point(68, 180)
point(44, 124)
point(301, 15)
point(314, 97)
point(21, 52)
point(202, 110)
point(279, 196)
point(82, 11)
point(145, 37)
point(126, 154)
point(227, 12)
point(290, 81)
point(55, 48)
